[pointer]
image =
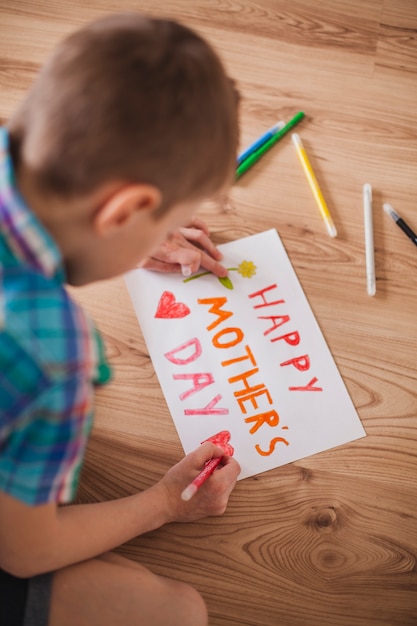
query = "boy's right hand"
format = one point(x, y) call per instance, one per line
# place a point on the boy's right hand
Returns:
point(211, 498)
point(45, 537)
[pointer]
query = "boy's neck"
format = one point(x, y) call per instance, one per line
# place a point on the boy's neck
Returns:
point(51, 211)
point(66, 220)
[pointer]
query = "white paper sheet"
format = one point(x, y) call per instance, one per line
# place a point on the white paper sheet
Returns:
point(247, 357)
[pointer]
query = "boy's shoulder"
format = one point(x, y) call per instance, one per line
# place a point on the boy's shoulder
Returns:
point(43, 319)
point(45, 337)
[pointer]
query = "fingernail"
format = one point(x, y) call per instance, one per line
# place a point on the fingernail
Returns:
point(186, 270)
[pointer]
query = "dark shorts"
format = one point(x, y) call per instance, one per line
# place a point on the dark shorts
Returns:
point(25, 601)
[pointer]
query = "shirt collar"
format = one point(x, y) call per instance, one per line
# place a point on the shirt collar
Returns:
point(26, 236)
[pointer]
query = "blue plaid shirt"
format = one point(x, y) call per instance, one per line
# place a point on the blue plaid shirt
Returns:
point(51, 357)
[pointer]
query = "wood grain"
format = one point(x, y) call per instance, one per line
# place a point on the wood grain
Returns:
point(331, 539)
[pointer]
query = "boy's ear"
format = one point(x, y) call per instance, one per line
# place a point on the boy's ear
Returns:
point(123, 206)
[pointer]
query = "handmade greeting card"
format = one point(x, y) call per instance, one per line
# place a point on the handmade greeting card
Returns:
point(244, 358)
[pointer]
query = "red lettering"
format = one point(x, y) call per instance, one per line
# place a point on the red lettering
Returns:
point(208, 409)
point(283, 320)
point(261, 293)
point(309, 387)
point(200, 381)
point(189, 359)
point(301, 363)
point(293, 339)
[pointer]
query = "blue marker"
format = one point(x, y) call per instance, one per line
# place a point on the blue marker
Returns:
point(259, 142)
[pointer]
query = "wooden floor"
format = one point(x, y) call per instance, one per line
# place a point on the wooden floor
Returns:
point(330, 540)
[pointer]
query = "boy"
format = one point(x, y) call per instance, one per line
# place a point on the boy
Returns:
point(128, 127)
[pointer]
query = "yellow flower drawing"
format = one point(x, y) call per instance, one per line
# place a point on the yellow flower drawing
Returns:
point(247, 269)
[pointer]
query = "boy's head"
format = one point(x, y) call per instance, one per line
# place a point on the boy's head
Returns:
point(131, 100)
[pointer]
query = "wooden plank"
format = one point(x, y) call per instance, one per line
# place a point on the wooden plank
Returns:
point(331, 539)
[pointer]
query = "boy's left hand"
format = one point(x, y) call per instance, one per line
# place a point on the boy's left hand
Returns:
point(188, 247)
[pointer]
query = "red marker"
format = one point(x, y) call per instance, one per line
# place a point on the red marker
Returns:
point(205, 473)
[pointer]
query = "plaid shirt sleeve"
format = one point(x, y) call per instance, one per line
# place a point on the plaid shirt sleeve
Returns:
point(47, 378)
point(51, 357)
point(43, 452)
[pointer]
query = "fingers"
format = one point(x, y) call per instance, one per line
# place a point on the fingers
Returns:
point(212, 496)
point(187, 249)
point(174, 260)
point(182, 251)
point(209, 264)
point(221, 483)
point(197, 222)
point(179, 253)
point(204, 453)
point(202, 238)
point(160, 266)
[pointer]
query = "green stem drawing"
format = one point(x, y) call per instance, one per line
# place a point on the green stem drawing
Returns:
point(187, 280)
point(247, 269)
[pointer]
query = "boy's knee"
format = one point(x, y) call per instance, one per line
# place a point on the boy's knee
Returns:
point(188, 607)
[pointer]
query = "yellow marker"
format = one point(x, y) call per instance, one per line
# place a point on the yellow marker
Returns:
point(314, 186)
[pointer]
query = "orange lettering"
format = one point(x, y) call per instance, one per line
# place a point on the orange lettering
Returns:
point(216, 303)
point(237, 339)
point(252, 396)
point(270, 417)
point(272, 445)
point(243, 377)
point(248, 355)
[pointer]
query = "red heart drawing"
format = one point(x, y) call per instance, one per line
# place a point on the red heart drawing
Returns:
point(221, 439)
point(169, 308)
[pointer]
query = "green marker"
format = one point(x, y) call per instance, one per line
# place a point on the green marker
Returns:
point(255, 156)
